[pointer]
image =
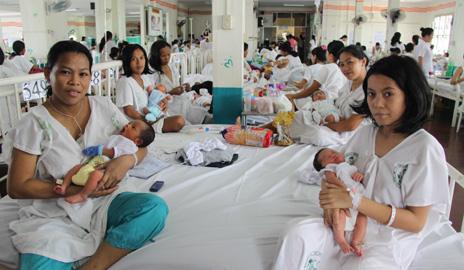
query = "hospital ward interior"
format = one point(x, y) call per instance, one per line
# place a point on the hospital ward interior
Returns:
point(232, 134)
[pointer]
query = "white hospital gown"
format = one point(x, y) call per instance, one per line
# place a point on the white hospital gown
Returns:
point(331, 79)
point(305, 130)
point(180, 105)
point(53, 227)
point(414, 173)
point(130, 93)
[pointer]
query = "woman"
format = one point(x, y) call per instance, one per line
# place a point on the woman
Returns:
point(48, 232)
point(424, 52)
point(17, 58)
point(458, 76)
point(7, 69)
point(353, 64)
point(395, 42)
point(131, 94)
point(292, 56)
point(406, 186)
point(318, 58)
point(166, 74)
point(329, 78)
point(106, 43)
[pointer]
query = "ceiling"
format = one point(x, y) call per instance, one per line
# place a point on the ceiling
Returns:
point(82, 7)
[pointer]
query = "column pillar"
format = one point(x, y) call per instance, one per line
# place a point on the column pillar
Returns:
point(101, 25)
point(358, 28)
point(251, 26)
point(118, 15)
point(456, 46)
point(41, 30)
point(391, 27)
point(228, 32)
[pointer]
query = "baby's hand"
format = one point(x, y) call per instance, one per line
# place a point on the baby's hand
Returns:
point(357, 176)
point(161, 88)
point(149, 89)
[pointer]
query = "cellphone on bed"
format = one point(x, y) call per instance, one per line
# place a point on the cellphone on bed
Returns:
point(156, 186)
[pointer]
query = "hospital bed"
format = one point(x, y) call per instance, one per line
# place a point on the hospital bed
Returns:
point(232, 218)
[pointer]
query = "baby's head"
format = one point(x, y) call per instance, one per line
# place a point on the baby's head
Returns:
point(318, 95)
point(138, 131)
point(327, 156)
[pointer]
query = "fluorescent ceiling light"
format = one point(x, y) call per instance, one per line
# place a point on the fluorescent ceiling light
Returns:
point(294, 5)
point(134, 13)
point(71, 9)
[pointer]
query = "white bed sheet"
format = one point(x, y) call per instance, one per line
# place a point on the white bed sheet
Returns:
point(232, 218)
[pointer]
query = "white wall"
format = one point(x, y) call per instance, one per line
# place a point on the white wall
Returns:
point(337, 18)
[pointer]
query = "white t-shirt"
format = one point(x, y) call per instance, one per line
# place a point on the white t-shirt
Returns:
point(331, 79)
point(414, 173)
point(21, 63)
point(129, 92)
point(311, 71)
point(294, 62)
point(121, 145)
point(107, 49)
point(8, 70)
point(423, 50)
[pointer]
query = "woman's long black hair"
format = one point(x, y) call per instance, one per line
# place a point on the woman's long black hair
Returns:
point(155, 55)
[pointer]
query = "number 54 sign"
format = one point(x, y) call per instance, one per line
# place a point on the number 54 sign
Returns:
point(35, 90)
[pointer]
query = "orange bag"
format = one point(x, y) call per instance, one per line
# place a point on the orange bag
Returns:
point(252, 136)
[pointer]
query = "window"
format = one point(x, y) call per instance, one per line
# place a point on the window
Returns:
point(441, 33)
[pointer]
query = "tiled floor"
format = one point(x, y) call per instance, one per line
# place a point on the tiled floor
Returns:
point(453, 143)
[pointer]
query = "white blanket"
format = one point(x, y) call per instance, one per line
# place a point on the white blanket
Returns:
point(231, 218)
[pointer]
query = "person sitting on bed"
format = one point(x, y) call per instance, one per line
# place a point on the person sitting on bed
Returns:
point(131, 95)
point(133, 135)
point(406, 196)
point(47, 232)
point(324, 110)
point(353, 65)
point(165, 73)
point(333, 164)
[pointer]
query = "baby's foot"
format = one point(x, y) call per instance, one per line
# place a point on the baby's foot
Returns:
point(59, 189)
point(344, 246)
point(76, 198)
point(357, 248)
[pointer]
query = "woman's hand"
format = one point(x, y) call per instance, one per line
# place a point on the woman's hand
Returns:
point(334, 196)
point(163, 104)
point(115, 170)
point(177, 90)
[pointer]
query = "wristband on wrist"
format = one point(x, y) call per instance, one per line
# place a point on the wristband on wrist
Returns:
point(392, 216)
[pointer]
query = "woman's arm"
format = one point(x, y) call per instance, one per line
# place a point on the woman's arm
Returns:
point(132, 112)
point(348, 124)
point(116, 169)
point(420, 60)
point(21, 183)
point(457, 77)
point(410, 219)
point(306, 92)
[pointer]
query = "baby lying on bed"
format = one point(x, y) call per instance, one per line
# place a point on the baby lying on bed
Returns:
point(329, 161)
point(323, 109)
point(135, 134)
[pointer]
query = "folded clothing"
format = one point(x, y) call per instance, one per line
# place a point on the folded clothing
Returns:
point(210, 153)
